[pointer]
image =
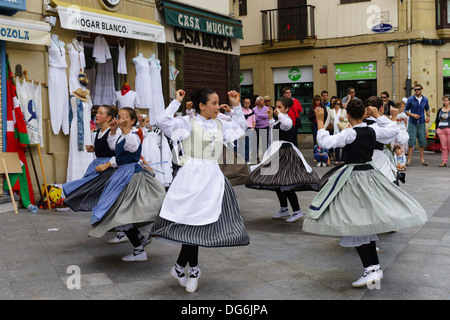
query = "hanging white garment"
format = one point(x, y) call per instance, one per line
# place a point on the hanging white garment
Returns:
point(79, 160)
point(29, 95)
point(122, 65)
point(157, 94)
point(156, 151)
point(101, 51)
point(77, 64)
point(105, 92)
point(143, 82)
point(58, 91)
point(130, 99)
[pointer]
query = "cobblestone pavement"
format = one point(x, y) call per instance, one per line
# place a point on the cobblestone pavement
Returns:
point(281, 263)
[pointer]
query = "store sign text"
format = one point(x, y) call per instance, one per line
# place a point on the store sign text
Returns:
point(203, 39)
point(101, 25)
point(14, 34)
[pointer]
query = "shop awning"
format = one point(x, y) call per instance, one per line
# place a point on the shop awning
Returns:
point(24, 31)
point(87, 19)
point(196, 19)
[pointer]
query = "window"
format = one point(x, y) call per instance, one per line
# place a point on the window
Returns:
point(352, 1)
point(242, 7)
point(442, 14)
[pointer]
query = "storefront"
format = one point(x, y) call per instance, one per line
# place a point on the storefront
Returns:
point(300, 81)
point(359, 75)
point(246, 80)
point(446, 74)
point(201, 50)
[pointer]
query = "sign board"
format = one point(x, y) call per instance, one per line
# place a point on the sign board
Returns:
point(246, 77)
point(13, 164)
point(13, 5)
point(356, 71)
point(24, 31)
point(293, 75)
point(446, 68)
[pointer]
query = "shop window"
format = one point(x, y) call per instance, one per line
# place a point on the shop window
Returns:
point(246, 91)
point(304, 93)
point(242, 7)
point(442, 14)
point(353, 1)
point(363, 88)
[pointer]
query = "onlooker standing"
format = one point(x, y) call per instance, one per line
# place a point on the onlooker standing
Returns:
point(261, 122)
point(443, 129)
point(387, 104)
point(335, 115)
point(324, 96)
point(351, 95)
point(415, 109)
point(251, 122)
point(267, 102)
point(317, 102)
point(294, 113)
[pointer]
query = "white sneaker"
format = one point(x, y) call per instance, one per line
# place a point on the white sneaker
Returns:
point(119, 238)
point(178, 273)
point(281, 214)
point(370, 276)
point(295, 216)
point(319, 164)
point(136, 257)
point(378, 269)
point(192, 281)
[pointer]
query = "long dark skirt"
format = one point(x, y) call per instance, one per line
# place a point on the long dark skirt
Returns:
point(227, 231)
point(285, 173)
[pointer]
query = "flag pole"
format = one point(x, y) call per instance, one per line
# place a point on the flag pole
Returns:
point(11, 193)
point(43, 176)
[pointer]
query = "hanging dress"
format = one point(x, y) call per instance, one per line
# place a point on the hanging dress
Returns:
point(201, 207)
point(132, 195)
point(353, 203)
point(122, 64)
point(80, 136)
point(283, 165)
point(58, 92)
point(77, 65)
point(143, 83)
point(157, 94)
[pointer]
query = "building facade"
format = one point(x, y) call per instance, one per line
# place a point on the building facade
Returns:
point(124, 23)
point(371, 45)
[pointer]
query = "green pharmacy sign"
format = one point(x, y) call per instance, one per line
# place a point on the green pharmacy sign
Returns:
point(356, 71)
point(446, 68)
point(295, 74)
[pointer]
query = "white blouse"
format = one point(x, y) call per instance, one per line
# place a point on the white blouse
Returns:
point(179, 128)
point(385, 130)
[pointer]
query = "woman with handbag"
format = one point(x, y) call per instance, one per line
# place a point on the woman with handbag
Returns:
point(337, 118)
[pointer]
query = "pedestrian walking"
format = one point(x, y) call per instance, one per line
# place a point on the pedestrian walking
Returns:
point(443, 129)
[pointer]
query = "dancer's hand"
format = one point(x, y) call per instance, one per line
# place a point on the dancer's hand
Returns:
point(234, 97)
point(179, 95)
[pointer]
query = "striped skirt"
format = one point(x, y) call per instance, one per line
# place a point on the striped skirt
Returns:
point(227, 231)
point(285, 173)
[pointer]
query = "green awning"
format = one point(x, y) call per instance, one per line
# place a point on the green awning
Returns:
point(197, 19)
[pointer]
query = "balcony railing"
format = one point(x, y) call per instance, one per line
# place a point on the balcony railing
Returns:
point(294, 23)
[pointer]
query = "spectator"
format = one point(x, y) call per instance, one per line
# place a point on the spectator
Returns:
point(261, 122)
point(351, 95)
point(267, 102)
point(443, 129)
point(336, 114)
point(387, 104)
point(418, 110)
point(324, 96)
point(321, 156)
point(317, 102)
point(251, 122)
point(294, 113)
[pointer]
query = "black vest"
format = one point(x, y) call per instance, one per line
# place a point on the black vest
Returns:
point(378, 145)
point(285, 135)
point(361, 150)
point(102, 149)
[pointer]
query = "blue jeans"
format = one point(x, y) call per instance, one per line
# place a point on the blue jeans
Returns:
point(321, 157)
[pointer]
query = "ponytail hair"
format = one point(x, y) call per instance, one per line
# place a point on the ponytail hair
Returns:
point(200, 96)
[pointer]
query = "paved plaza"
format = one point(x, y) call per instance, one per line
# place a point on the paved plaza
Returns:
point(281, 263)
